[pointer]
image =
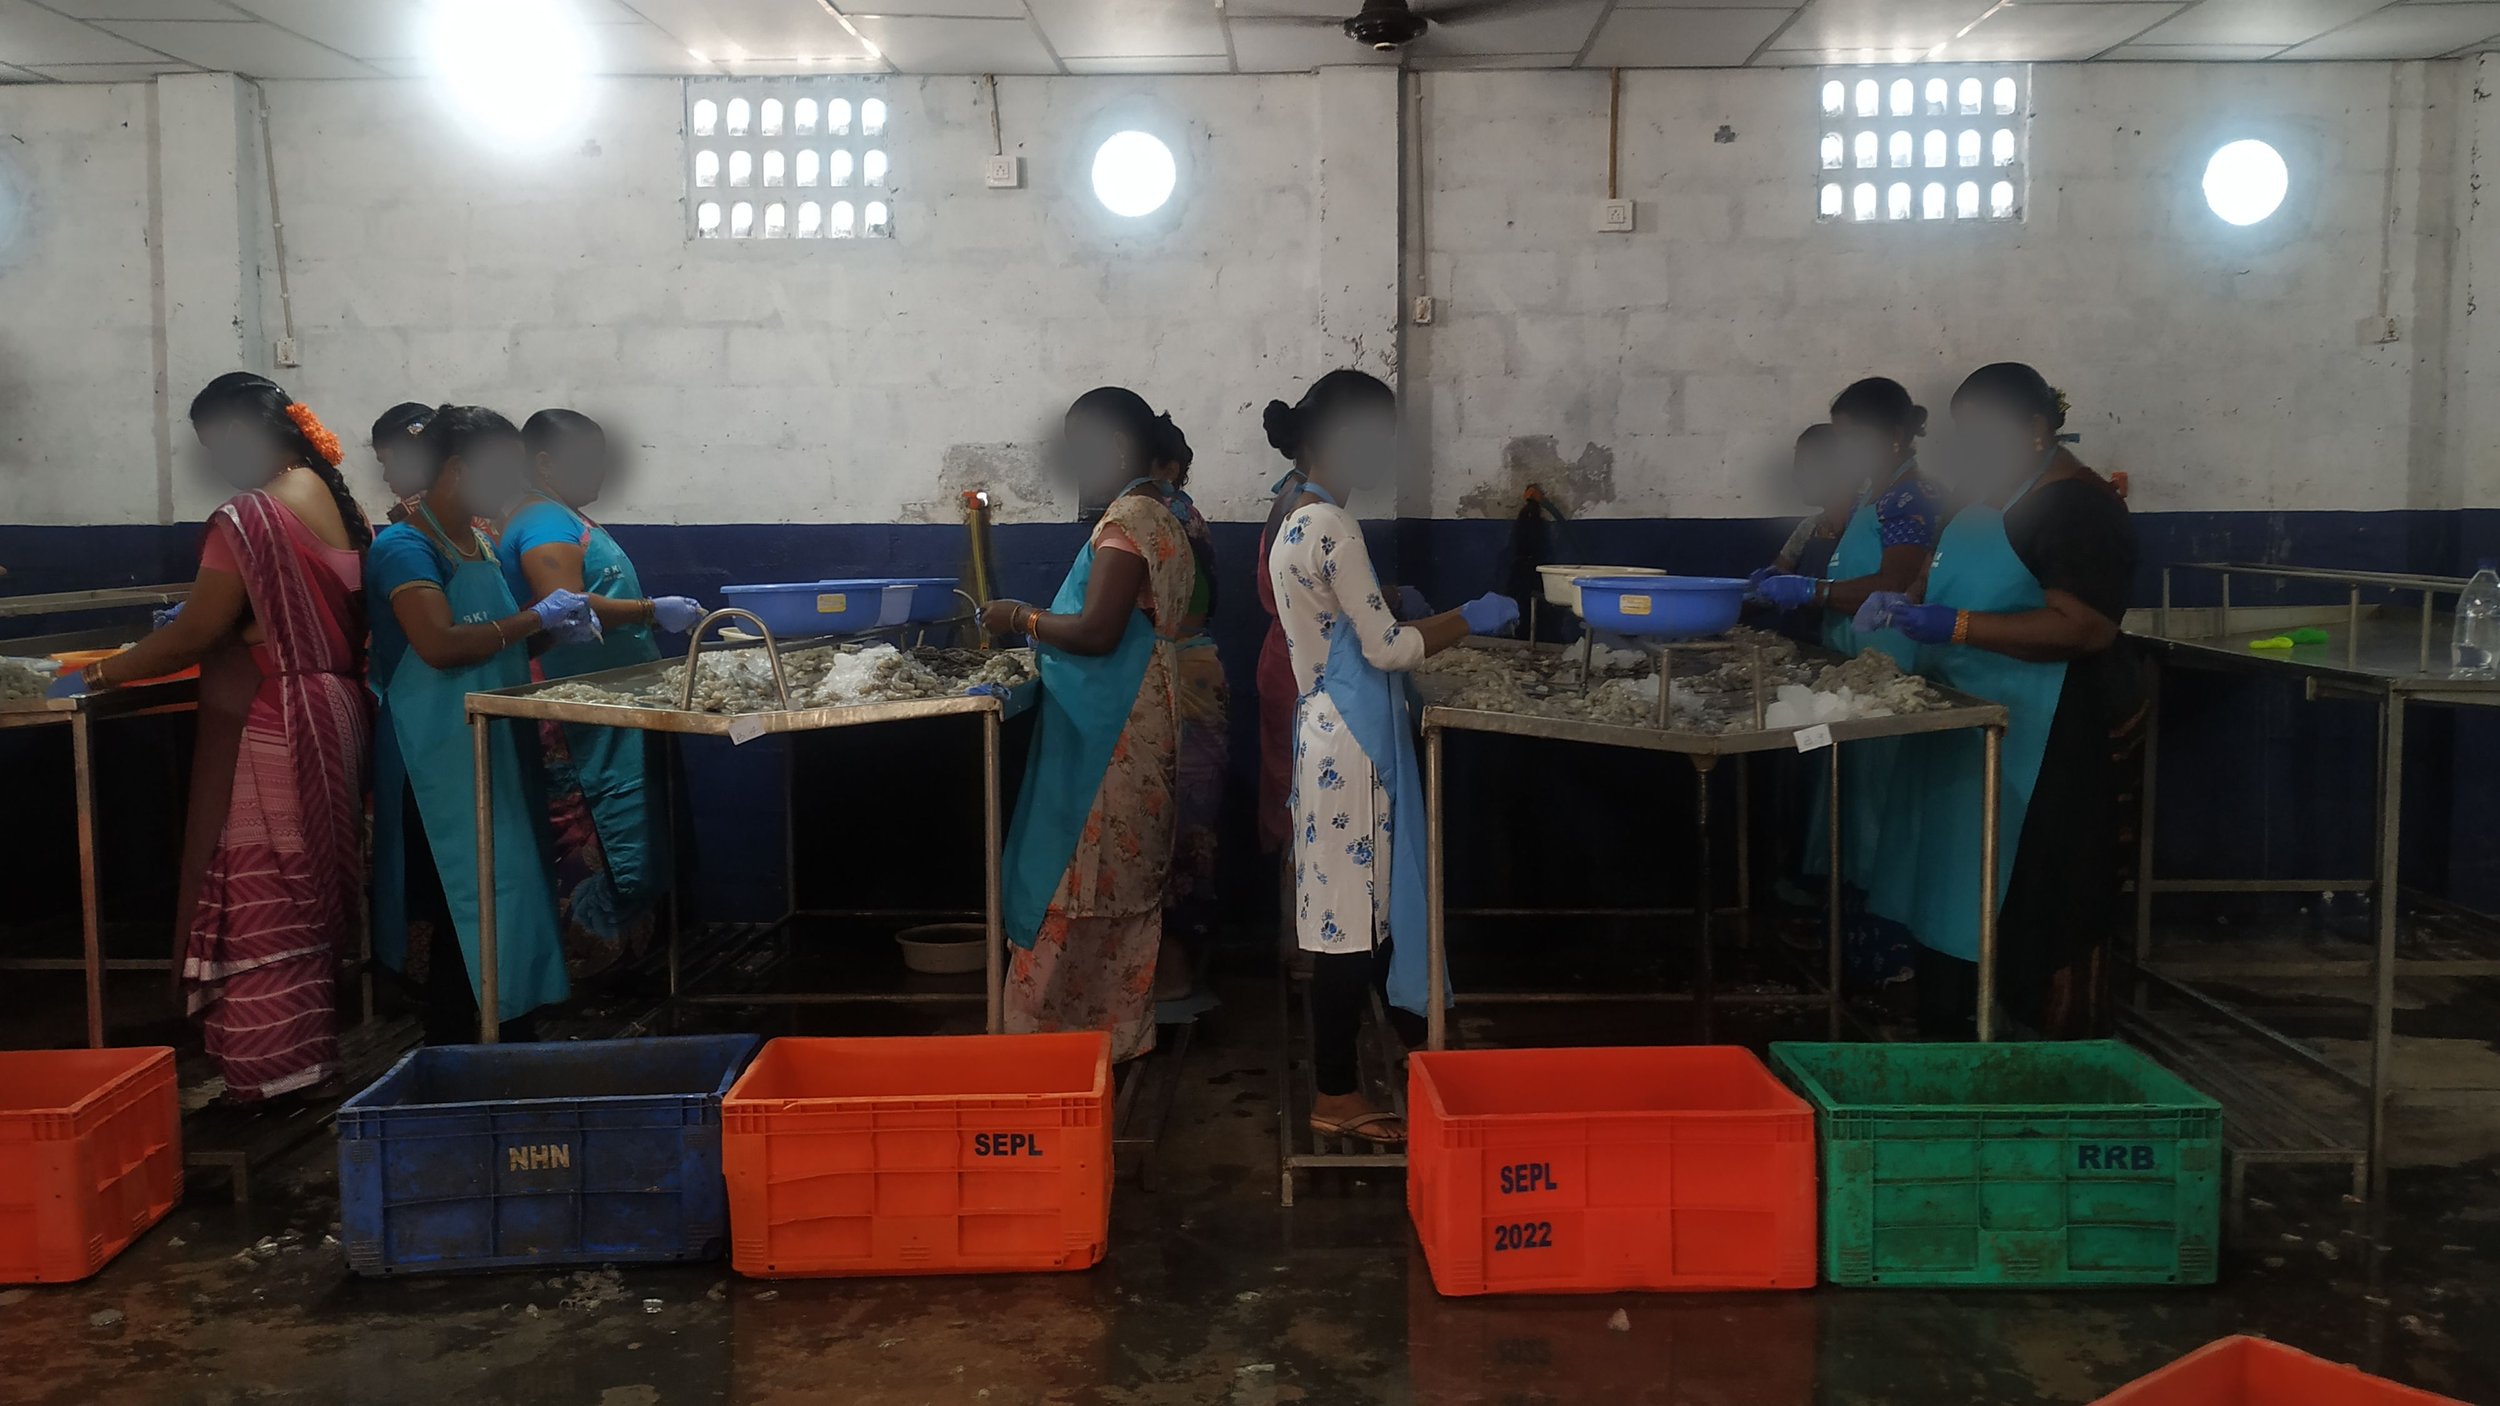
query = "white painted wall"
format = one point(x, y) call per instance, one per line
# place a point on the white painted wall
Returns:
point(865, 381)
point(2222, 368)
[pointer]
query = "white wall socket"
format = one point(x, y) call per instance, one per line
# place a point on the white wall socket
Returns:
point(2382, 331)
point(1613, 217)
point(287, 353)
point(1423, 310)
point(1002, 172)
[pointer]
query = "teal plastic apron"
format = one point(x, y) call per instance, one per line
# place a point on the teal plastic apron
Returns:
point(611, 764)
point(1085, 704)
point(424, 716)
point(1939, 777)
point(1867, 781)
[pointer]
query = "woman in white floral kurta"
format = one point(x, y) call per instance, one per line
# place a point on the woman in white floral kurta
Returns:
point(1341, 825)
point(1341, 436)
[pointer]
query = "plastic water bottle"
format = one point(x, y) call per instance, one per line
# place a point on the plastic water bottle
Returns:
point(2474, 651)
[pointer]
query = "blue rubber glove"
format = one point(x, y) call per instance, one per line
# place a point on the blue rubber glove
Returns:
point(1412, 605)
point(567, 616)
point(165, 617)
point(70, 685)
point(676, 614)
point(1490, 614)
point(1927, 624)
point(1786, 591)
point(993, 690)
point(1876, 613)
point(1753, 583)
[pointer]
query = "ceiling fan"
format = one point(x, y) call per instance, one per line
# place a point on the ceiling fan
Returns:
point(1389, 26)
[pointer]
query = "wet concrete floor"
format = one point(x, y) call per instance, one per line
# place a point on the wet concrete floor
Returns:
point(1212, 1293)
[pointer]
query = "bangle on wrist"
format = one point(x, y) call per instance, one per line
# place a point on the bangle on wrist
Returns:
point(1961, 627)
point(1823, 592)
point(96, 681)
point(500, 637)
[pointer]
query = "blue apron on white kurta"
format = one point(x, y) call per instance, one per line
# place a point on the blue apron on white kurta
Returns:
point(1870, 762)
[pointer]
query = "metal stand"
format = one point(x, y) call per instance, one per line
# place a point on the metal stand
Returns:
point(2384, 659)
point(521, 703)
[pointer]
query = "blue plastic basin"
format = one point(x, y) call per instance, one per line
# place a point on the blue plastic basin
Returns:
point(1661, 607)
point(797, 609)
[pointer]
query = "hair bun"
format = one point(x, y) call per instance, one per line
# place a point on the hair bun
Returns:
point(1284, 428)
point(1918, 421)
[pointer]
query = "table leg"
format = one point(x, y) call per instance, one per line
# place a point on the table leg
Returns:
point(2144, 845)
point(2383, 966)
point(90, 902)
point(1991, 775)
point(993, 888)
point(489, 964)
point(676, 871)
point(1744, 841)
point(1436, 951)
point(1832, 898)
point(1705, 985)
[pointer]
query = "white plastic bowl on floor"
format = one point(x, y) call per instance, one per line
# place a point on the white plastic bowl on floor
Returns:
point(944, 949)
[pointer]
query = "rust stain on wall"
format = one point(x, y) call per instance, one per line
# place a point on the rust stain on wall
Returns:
point(1571, 484)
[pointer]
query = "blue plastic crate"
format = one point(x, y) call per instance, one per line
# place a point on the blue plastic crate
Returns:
point(511, 1156)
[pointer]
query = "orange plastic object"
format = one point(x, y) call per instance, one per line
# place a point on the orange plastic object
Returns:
point(90, 1156)
point(960, 1154)
point(71, 661)
point(1584, 1171)
point(2255, 1372)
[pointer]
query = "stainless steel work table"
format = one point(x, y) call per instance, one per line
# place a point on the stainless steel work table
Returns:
point(2391, 652)
point(79, 717)
point(525, 704)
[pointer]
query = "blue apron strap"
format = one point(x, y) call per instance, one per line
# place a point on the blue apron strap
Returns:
point(1374, 706)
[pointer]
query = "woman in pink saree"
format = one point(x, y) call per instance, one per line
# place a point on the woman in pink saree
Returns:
point(273, 856)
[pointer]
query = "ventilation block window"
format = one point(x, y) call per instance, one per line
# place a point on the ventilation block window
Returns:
point(799, 134)
point(1924, 121)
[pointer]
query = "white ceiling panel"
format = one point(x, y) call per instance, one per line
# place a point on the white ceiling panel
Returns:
point(111, 72)
point(749, 29)
point(639, 48)
point(1456, 63)
point(154, 9)
point(2192, 53)
point(1559, 26)
point(240, 46)
point(937, 9)
point(1279, 46)
point(2275, 22)
point(2405, 31)
point(1122, 28)
point(2055, 33)
point(1270, 9)
point(958, 46)
point(365, 30)
point(31, 36)
point(1682, 38)
point(1197, 63)
point(1880, 26)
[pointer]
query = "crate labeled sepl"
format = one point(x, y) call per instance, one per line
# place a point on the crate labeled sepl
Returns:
point(1590, 1170)
point(502, 1156)
point(90, 1157)
point(2081, 1162)
point(2246, 1371)
point(961, 1154)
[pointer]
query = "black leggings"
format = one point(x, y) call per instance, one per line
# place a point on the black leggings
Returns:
point(450, 1002)
point(1340, 983)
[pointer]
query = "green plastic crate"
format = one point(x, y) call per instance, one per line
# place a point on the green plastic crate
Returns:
point(2010, 1164)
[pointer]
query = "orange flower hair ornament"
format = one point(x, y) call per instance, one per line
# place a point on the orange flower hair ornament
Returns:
point(324, 443)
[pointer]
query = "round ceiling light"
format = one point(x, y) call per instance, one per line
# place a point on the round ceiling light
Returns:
point(1134, 174)
point(517, 69)
point(2246, 181)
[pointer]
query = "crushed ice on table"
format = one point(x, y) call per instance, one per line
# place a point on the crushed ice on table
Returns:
point(24, 680)
point(822, 676)
point(1622, 688)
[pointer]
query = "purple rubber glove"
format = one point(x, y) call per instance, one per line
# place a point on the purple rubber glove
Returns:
point(1876, 614)
point(165, 617)
point(1927, 624)
point(1411, 604)
point(1490, 614)
point(70, 685)
point(676, 614)
point(1787, 592)
point(567, 616)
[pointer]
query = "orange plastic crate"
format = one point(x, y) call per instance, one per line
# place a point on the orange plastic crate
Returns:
point(1585, 1171)
point(963, 1154)
point(90, 1156)
point(2255, 1372)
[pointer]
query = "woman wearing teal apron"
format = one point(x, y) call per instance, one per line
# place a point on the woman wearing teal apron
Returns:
point(611, 838)
point(1357, 805)
point(2020, 606)
point(450, 629)
point(1090, 848)
point(1890, 534)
